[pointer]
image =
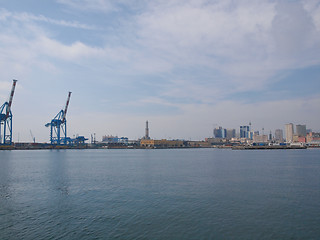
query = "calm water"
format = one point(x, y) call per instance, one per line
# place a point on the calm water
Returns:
point(160, 194)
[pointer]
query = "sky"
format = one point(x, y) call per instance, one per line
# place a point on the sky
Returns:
point(186, 66)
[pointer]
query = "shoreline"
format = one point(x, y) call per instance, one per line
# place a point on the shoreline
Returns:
point(61, 147)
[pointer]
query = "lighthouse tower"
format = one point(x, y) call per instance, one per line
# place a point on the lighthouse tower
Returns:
point(147, 131)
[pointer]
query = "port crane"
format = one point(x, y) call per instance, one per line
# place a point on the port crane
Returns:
point(6, 119)
point(58, 126)
point(33, 138)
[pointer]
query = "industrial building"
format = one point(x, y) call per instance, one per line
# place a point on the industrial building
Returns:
point(109, 139)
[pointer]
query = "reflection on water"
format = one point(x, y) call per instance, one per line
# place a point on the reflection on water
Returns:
point(5, 171)
point(58, 171)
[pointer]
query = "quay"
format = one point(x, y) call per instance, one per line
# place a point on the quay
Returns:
point(240, 147)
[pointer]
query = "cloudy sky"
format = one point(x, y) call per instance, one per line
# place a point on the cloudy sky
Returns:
point(187, 66)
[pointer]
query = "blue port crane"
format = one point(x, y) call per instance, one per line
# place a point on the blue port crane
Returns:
point(6, 119)
point(58, 126)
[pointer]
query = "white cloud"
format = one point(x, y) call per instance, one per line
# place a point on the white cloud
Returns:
point(248, 42)
point(313, 7)
point(90, 5)
point(296, 40)
point(242, 42)
point(27, 17)
point(26, 45)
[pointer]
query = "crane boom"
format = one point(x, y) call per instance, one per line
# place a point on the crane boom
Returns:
point(66, 108)
point(11, 97)
point(33, 138)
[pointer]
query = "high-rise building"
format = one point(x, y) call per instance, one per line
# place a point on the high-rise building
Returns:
point(231, 133)
point(301, 130)
point(251, 134)
point(244, 130)
point(278, 135)
point(289, 132)
point(220, 132)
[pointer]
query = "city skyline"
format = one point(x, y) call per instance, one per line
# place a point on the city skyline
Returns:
point(186, 66)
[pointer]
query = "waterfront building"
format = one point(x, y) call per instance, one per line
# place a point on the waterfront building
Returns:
point(260, 138)
point(220, 132)
point(244, 130)
point(199, 144)
point(278, 135)
point(298, 139)
point(230, 133)
point(313, 138)
point(250, 134)
point(163, 143)
point(215, 141)
point(114, 139)
point(289, 132)
point(301, 130)
point(110, 139)
point(148, 143)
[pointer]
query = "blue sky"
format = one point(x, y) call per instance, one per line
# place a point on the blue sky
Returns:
point(184, 65)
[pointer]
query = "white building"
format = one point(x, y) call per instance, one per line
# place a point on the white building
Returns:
point(289, 132)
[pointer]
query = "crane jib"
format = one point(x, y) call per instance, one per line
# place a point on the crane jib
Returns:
point(11, 97)
point(66, 107)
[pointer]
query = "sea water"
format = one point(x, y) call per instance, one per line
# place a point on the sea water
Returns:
point(160, 194)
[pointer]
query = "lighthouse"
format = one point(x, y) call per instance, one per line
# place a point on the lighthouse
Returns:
point(147, 131)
